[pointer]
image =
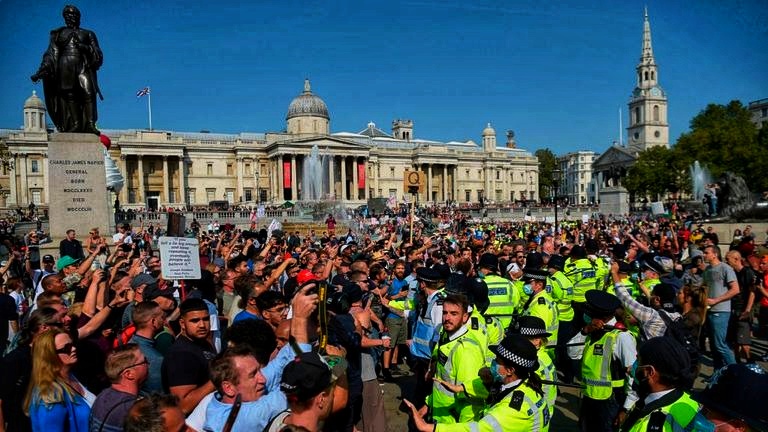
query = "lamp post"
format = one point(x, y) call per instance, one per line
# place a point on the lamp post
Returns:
point(556, 183)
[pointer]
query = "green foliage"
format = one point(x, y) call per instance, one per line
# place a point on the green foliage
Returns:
point(723, 138)
point(547, 164)
point(656, 171)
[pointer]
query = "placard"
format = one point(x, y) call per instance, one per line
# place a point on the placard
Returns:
point(179, 258)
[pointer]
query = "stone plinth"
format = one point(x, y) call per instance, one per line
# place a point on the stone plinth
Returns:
point(77, 185)
point(614, 200)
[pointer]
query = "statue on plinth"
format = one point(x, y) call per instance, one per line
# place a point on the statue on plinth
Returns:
point(68, 71)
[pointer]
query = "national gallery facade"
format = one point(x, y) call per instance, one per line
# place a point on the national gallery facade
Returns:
point(306, 162)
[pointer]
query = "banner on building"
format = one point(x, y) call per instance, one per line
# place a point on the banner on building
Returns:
point(286, 175)
point(361, 176)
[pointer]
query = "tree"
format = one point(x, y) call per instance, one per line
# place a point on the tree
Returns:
point(547, 164)
point(723, 138)
point(656, 171)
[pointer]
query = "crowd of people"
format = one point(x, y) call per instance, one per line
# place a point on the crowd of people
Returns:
point(297, 331)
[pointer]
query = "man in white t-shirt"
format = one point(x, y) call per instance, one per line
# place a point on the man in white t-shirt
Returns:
point(123, 235)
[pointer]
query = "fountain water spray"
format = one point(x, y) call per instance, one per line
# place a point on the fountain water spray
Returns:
point(700, 178)
point(314, 176)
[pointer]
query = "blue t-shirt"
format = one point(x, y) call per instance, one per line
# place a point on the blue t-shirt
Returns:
point(397, 286)
point(244, 315)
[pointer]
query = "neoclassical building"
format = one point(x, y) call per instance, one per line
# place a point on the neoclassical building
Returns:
point(306, 162)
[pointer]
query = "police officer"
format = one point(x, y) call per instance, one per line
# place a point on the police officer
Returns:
point(561, 289)
point(476, 292)
point(735, 398)
point(540, 303)
point(426, 328)
point(518, 403)
point(661, 375)
point(534, 330)
point(502, 296)
point(583, 274)
point(652, 268)
point(456, 360)
point(608, 354)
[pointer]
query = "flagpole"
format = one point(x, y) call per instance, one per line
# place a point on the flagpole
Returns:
point(149, 105)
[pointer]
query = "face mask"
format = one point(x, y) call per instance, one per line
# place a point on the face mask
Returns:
point(495, 372)
point(640, 384)
point(528, 289)
point(587, 318)
point(480, 274)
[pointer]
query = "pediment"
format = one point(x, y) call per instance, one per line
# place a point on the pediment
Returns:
point(614, 156)
point(331, 143)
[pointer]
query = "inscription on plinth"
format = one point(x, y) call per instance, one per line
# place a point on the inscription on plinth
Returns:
point(77, 184)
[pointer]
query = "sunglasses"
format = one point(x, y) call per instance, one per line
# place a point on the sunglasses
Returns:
point(66, 349)
point(143, 362)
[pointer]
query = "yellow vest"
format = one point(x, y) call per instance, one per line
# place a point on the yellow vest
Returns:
point(547, 372)
point(543, 307)
point(674, 417)
point(561, 289)
point(596, 366)
point(503, 298)
point(520, 410)
point(583, 274)
point(457, 361)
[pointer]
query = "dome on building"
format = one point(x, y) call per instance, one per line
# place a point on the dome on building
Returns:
point(307, 104)
point(34, 102)
point(488, 131)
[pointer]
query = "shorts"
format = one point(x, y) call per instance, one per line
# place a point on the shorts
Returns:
point(739, 331)
point(397, 331)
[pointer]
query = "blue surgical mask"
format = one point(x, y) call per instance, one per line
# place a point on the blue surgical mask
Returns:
point(587, 318)
point(495, 372)
point(480, 274)
point(528, 289)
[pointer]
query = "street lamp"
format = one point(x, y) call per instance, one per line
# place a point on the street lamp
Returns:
point(556, 183)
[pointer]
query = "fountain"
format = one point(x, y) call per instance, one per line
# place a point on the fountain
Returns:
point(700, 178)
point(314, 176)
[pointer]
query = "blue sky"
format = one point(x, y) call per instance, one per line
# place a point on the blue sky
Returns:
point(555, 72)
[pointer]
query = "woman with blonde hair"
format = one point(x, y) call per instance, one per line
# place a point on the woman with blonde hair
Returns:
point(56, 401)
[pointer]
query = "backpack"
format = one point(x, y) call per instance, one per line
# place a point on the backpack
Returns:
point(676, 329)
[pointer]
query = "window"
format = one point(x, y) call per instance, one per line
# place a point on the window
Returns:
point(646, 75)
point(151, 167)
point(657, 134)
point(582, 187)
point(498, 176)
point(210, 194)
point(35, 166)
point(132, 195)
point(393, 193)
point(189, 168)
point(36, 196)
point(392, 171)
point(467, 195)
point(262, 195)
point(248, 171)
point(191, 196)
point(655, 113)
point(230, 196)
point(230, 169)
point(653, 75)
point(209, 170)
point(173, 195)
point(248, 194)
point(636, 117)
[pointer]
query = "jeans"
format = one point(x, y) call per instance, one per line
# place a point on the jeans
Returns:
point(717, 326)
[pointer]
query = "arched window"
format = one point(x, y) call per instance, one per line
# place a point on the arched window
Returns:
point(646, 75)
point(653, 75)
point(655, 113)
point(636, 116)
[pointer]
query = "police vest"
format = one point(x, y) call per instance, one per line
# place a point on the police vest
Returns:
point(520, 409)
point(542, 306)
point(495, 332)
point(602, 272)
point(424, 330)
point(457, 361)
point(478, 331)
point(547, 372)
point(600, 373)
point(561, 289)
point(583, 274)
point(680, 415)
point(502, 297)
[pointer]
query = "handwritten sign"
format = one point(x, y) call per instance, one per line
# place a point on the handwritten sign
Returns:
point(180, 258)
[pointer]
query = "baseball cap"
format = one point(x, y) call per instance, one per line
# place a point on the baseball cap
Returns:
point(48, 259)
point(306, 377)
point(305, 276)
point(142, 279)
point(66, 261)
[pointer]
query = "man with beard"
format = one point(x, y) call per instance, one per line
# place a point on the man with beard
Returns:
point(395, 323)
point(185, 371)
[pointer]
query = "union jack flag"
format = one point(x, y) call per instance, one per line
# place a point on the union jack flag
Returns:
point(143, 92)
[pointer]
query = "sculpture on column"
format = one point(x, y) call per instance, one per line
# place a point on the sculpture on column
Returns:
point(68, 71)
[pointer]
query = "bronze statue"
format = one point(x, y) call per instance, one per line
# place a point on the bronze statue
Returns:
point(68, 71)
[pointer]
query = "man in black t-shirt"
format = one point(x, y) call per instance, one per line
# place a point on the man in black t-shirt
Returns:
point(739, 327)
point(185, 368)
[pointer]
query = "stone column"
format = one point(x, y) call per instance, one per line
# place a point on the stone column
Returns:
point(182, 190)
point(123, 167)
point(355, 195)
point(13, 196)
point(294, 183)
point(331, 183)
point(456, 183)
point(429, 182)
point(343, 178)
point(44, 170)
point(445, 183)
point(24, 181)
point(239, 168)
point(140, 194)
point(166, 180)
point(280, 190)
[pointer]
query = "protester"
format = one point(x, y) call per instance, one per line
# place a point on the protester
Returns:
point(127, 368)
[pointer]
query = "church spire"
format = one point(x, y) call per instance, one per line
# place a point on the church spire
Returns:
point(646, 57)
